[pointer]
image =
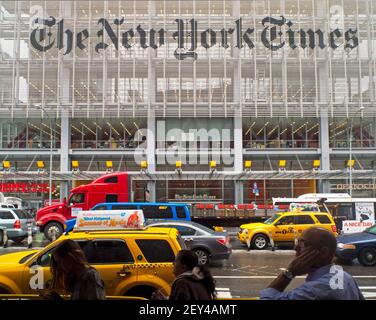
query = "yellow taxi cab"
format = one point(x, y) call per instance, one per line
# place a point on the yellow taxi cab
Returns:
point(131, 262)
point(284, 227)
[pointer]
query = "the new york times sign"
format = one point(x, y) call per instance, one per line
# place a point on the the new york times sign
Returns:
point(272, 36)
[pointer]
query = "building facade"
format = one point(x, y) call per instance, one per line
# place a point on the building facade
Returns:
point(110, 84)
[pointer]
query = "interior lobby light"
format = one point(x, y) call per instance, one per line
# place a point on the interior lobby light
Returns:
point(40, 164)
point(248, 165)
point(144, 166)
point(178, 166)
point(316, 163)
point(6, 164)
point(282, 165)
point(213, 166)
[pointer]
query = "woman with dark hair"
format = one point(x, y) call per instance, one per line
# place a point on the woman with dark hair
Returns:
point(72, 274)
point(193, 281)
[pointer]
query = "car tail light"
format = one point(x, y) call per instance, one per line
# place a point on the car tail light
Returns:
point(17, 224)
point(334, 228)
point(223, 241)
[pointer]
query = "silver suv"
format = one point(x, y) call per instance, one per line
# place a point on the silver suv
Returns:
point(16, 221)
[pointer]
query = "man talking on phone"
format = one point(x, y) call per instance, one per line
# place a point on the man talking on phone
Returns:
point(325, 281)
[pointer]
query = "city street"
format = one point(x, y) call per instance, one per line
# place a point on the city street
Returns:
point(248, 272)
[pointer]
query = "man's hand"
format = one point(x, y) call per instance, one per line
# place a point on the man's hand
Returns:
point(303, 263)
point(299, 266)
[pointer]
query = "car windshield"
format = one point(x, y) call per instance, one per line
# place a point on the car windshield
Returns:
point(371, 230)
point(22, 214)
point(272, 219)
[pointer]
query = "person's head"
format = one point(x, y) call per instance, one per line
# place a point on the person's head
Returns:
point(185, 261)
point(320, 239)
point(67, 260)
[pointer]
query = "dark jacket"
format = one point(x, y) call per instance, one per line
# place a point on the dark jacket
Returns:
point(89, 286)
point(189, 287)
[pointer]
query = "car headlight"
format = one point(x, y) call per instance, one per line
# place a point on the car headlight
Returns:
point(346, 246)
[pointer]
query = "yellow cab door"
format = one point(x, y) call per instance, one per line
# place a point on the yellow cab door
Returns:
point(36, 274)
point(303, 221)
point(114, 261)
point(155, 264)
point(284, 229)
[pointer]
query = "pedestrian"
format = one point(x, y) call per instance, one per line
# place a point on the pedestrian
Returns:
point(314, 255)
point(193, 281)
point(72, 274)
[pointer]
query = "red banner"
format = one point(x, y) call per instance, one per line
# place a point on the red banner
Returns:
point(25, 187)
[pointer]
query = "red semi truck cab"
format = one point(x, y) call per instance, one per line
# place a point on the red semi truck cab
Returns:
point(113, 187)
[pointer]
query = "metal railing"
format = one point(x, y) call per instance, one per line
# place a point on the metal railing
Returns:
point(345, 144)
point(106, 144)
point(195, 145)
point(280, 144)
point(29, 144)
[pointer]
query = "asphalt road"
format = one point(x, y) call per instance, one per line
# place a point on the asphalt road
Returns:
point(248, 272)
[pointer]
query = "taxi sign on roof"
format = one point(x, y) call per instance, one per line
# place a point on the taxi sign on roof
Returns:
point(300, 207)
point(109, 220)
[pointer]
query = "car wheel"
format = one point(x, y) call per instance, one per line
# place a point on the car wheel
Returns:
point(140, 291)
point(367, 257)
point(53, 227)
point(203, 256)
point(260, 242)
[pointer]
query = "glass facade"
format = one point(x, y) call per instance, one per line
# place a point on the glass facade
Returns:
point(144, 80)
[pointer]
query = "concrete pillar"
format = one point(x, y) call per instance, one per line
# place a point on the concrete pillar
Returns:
point(323, 99)
point(236, 77)
point(238, 144)
point(238, 157)
point(239, 187)
point(152, 190)
point(65, 101)
point(151, 136)
point(324, 129)
point(238, 125)
point(64, 154)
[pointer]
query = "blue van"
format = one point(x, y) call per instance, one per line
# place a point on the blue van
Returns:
point(153, 211)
